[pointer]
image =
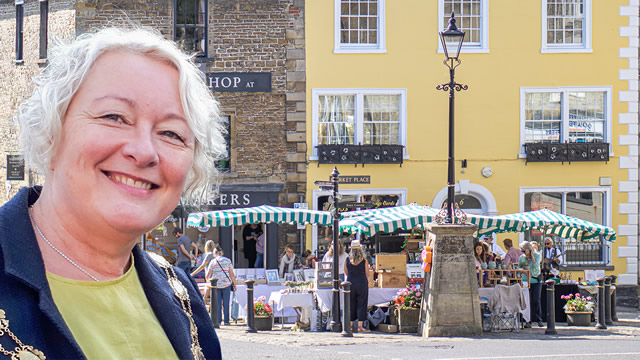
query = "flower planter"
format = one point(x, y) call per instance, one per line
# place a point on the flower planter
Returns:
point(263, 323)
point(576, 318)
point(408, 320)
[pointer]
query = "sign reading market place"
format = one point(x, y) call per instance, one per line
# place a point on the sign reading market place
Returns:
point(239, 82)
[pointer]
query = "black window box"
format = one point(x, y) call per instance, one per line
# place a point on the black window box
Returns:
point(555, 152)
point(360, 154)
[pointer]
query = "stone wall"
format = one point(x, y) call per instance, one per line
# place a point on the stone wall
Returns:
point(267, 129)
point(16, 79)
point(95, 14)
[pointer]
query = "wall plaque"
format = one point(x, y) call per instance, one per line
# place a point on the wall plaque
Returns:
point(15, 167)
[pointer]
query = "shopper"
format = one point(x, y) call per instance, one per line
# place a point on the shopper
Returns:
point(184, 250)
point(250, 235)
point(530, 260)
point(342, 258)
point(356, 270)
point(220, 268)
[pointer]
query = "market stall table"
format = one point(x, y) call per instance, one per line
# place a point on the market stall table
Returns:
point(281, 301)
point(488, 294)
point(376, 296)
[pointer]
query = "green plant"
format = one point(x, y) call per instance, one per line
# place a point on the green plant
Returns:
point(409, 297)
point(577, 303)
point(416, 233)
point(261, 307)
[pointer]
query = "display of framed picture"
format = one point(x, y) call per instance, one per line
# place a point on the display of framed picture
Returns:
point(299, 275)
point(309, 274)
point(272, 276)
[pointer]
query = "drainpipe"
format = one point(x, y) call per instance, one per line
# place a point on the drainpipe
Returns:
point(301, 231)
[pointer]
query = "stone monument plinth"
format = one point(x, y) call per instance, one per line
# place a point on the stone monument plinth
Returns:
point(453, 307)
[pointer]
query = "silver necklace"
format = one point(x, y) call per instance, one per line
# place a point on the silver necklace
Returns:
point(56, 249)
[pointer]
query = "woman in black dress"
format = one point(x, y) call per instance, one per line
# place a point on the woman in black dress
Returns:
point(357, 271)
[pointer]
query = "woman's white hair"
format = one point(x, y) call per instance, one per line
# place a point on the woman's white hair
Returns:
point(40, 116)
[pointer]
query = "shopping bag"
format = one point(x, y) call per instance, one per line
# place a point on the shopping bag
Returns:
point(235, 307)
point(376, 316)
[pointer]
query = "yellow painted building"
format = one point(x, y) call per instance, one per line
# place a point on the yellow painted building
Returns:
point(538, 71)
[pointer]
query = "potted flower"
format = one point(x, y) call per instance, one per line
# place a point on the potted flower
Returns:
point(263, 319)
point(578, 309)
point(407, 307)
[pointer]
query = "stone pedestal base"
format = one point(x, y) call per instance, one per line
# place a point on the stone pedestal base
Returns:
point(453, 307)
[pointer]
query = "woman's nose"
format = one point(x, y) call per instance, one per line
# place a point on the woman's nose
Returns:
point(141, 149)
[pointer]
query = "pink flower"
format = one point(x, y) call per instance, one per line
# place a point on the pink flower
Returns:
point(577, 294)
point(588, 298)
point(418, 294)
point(563, 297)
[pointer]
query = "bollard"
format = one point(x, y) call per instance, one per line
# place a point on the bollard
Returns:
point(607, 301)
point(601, 315)
point(614, 283)
point(213, 303)
point(250, 312)
point(346, 321)
point(551, 308)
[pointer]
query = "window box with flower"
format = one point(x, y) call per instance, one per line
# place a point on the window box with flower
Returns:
point(407, 308)
point(578, 309)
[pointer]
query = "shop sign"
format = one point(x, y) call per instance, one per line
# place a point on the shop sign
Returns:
point(358, 179)
point(239, 82)
point(15, 167)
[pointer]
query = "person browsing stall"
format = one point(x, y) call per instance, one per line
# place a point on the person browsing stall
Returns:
point(250, 235)
point(493, 247)
point(356, 269)
point(342, 258)
point(530, 260)
point(220, 268)
point(513, 253)
point(118, 145)
point(184, 247)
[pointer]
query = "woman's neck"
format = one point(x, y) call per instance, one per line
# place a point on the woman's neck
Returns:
point(104, 255)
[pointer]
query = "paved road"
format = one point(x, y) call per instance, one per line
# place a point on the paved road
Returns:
point(621, 341)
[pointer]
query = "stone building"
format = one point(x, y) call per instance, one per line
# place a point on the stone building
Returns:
point(253, 52)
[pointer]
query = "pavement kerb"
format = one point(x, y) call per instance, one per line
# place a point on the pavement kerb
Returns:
point(628, 326)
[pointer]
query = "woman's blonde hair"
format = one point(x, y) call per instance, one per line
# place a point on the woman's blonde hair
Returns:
point(40, 117)
point(209, 246)
point(356, 255)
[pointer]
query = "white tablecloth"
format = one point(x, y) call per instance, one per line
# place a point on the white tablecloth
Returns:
point(376, 296)
point(488, 294)
point(293, 299)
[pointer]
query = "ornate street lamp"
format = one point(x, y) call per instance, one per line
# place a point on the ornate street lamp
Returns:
point(451, 40)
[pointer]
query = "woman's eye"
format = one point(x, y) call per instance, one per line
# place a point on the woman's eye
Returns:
point(172, 135)
point(114, 117)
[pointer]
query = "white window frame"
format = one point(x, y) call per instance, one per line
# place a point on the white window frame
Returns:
point(564, 90)
point(483, 48)
point(359, 109)
point(585, 47)
point(402, 200)
point(606, 190)
point(379, 48)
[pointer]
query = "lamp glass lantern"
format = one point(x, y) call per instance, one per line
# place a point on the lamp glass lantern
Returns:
point(452, 39)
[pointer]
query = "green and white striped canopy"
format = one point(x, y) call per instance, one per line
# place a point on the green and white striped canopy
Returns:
point(570, 227)
point(259, 214)
point(407, 217)
point(388, 219)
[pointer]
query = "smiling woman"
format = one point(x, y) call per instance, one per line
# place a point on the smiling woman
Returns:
point(122, 125)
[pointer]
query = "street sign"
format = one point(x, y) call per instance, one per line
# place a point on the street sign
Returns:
point(301, 206)
point(353, 205)
point(323, 183)
point(326, 188)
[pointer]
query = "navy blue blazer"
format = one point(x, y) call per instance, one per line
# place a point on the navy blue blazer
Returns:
point(33, 317)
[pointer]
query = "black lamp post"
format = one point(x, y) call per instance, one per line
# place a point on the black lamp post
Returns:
point(335, 322)
point(452, 43)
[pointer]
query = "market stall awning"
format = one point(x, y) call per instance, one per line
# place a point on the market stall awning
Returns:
point(407, 217)
point(387, 220)
point(259, 214)
point(567, 226)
